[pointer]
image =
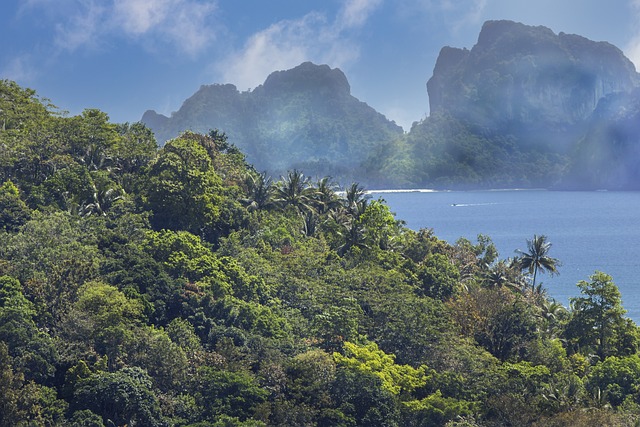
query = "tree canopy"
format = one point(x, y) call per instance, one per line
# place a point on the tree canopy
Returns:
point(178, 286)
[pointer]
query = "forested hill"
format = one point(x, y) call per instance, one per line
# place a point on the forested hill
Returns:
point(522, 109)
point(303, 118)
point(518, 109)
point(176, 286)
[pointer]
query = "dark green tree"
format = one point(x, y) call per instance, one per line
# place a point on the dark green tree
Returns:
point(10, 383)
point(123, 397)
point(236, 394)
point(260, 192)
point(537, 258)
point(13, 211)
point(295, 190)
point(184, 192)
point(616, 377)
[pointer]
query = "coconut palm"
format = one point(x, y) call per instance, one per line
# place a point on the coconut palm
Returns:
point(326, 197)
point(355, 199)
point(296, 190)
point(505, 273)
point(537, 258)
point(260, 191)
point(552, 314)
point(101, 201)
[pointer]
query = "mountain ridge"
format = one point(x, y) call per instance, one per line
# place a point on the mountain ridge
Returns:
point(513, 110)
point(303, 118)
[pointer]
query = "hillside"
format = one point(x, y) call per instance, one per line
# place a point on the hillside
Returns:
point(608, 155)
point(303, 118)
point(510, 111)
point(176, 286)
point(524, 107)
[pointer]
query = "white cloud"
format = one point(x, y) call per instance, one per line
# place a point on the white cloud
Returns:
point(288, 43)
point(355, 13)
point(282, 45)
point(20, 69)
point(140, 16)
point(185, 24)
point(188, 26)
point(472, 15)
point(82, 28)
point(454, 15)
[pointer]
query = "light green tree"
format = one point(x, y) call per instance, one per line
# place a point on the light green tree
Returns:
point(395, 378)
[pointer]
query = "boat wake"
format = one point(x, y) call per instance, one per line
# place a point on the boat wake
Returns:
point(457, 205)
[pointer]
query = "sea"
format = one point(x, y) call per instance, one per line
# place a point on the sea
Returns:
point(589, 230)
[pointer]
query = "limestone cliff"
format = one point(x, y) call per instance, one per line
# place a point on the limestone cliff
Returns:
point(303, 118)
point(523, 80)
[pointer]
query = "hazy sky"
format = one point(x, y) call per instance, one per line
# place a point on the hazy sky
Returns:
point(127, 56)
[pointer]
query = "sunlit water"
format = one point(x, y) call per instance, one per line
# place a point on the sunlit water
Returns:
point(589, 231)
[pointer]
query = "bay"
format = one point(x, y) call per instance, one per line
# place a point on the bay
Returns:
point(589, 231)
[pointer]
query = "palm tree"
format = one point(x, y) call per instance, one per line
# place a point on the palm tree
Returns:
point(537, 258)
point(552, 313)
point(355, 199)
point(101, 201)
point(260, 191)
point(353, 235)
point(326, 197)
point(295, 190)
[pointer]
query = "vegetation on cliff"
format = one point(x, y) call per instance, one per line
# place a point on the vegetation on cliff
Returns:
point(178, 286)
point(524, 107)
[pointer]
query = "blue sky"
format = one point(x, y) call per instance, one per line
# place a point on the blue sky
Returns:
point(127, 56)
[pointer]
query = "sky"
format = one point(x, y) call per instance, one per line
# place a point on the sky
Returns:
point(128, 56)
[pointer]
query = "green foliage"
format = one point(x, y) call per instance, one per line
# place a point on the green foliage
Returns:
point(617, 378)
point(501, 322)
point(368, 359)
point(183, 189)
point(10, 382)
point(179, 287)
point(86, 418)
point(597, 323)
point(51, 256)
point(122, 397)
point(438, 277)
point(32, 349)
point(363, 400)
point(13, 211)
point(235, 394)
point(436, 409)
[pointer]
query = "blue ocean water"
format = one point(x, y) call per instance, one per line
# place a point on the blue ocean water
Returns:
point(589, 231)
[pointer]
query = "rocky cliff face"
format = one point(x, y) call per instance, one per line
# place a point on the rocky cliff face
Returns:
point(523, 80)
point(608, 155)
point(302, 118)
point(525, 107)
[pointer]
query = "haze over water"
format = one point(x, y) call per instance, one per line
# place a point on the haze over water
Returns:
point(589, 231)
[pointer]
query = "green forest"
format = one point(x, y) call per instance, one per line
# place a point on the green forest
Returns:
point(179, 286)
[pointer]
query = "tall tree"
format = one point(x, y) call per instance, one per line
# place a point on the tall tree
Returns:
point(259, 191)
point(597, 320)
point(184, 192)
point(355, 199)
point(537, 258)
point(295, 190)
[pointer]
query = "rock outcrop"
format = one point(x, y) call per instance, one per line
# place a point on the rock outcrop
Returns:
point(528, 82)
point(608, 156)
point(302, 118)
point(524, 107)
